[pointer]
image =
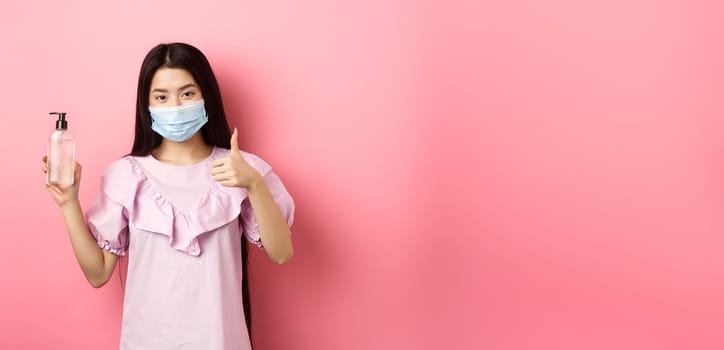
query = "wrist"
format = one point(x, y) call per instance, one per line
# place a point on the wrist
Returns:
point(69, 204)
point(256, 185)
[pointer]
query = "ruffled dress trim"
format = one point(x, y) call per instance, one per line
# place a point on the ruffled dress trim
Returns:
point(106, 244)
point(152, 212)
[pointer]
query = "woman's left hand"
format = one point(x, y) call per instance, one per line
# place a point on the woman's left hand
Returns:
point(234, 170)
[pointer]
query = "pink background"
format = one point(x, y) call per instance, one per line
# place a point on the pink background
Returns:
point(468, 175)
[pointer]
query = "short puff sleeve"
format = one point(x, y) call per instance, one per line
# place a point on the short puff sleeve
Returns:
point(279, 193)
point(107, 216)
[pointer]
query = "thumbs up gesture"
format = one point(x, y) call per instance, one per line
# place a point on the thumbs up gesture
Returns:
point(234, 170)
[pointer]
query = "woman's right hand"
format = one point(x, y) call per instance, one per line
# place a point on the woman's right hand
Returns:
point(63, 195)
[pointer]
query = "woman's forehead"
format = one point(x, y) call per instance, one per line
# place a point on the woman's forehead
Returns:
point(171, 78)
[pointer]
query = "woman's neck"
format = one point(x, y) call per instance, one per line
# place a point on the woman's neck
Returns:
point(189, 152)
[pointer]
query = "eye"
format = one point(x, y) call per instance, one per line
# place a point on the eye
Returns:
point(160, 98)
point(188, 94)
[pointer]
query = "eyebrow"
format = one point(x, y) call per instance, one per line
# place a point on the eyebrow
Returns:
point(181, 88)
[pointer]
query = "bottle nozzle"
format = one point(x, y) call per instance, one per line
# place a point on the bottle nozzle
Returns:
point(61, 123)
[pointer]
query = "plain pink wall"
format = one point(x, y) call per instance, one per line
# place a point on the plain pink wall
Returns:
point(468, 175)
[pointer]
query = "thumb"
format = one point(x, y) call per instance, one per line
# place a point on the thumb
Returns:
point(234, 142)
point(77, 171)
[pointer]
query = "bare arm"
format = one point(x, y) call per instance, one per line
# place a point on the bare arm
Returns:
point(273, 228)
point(97, 264)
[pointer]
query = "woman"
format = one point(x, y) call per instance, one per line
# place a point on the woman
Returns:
point(179, 204)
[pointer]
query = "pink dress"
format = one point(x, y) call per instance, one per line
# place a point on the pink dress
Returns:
point(183, 234)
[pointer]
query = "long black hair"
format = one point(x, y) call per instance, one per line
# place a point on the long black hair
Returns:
point(215, 132)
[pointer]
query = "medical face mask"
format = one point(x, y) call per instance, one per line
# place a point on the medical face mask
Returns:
point(178, 123)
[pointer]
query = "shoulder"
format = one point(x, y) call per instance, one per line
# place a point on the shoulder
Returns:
point(119, 169)
point(120, 179)
point(120, 165)
point(255, 161)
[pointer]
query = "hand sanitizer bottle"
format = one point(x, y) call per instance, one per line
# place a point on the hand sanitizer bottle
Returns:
point(61, 154)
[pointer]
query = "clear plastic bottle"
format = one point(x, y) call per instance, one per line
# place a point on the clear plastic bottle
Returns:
point(61, 154)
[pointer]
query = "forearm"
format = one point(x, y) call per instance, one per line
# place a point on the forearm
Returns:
point(273, 228)
point(90, 256)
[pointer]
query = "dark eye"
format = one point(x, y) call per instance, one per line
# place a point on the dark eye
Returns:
point(187, 94)
point(160, 98)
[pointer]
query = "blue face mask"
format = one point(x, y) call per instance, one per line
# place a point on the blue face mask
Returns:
point(178, 123)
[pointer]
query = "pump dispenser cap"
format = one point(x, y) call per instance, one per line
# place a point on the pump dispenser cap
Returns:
point(61, 123)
